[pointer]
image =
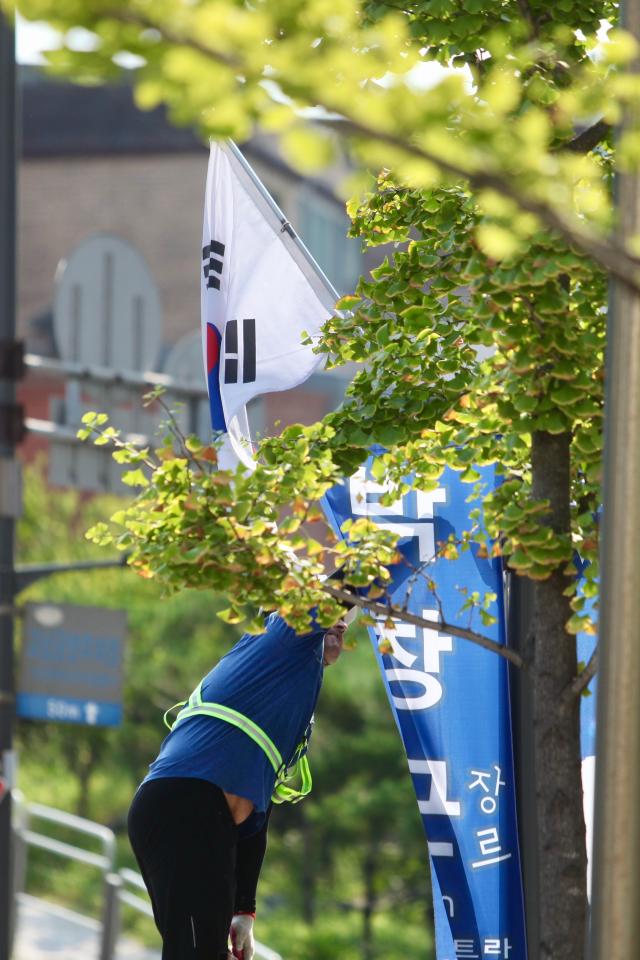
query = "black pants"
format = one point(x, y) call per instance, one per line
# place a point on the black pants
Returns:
point(184, 839)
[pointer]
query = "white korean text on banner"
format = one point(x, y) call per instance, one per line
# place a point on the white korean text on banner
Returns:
point(450, 699)
point(259, 294)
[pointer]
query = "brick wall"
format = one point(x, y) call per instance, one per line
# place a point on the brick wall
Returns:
point(154, 202)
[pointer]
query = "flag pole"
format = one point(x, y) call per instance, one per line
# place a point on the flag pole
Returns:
point(285, 225)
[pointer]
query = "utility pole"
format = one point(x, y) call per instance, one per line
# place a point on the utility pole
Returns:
point(11, 428)
point(616, 869)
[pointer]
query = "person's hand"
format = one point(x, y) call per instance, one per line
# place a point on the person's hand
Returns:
point(241, 933)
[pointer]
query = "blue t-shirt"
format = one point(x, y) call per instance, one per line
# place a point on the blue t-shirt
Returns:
point(274, 679)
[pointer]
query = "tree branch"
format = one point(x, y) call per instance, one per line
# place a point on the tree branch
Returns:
point(146, 23)
point(396, 6)
point(527, 16)
point(583, 679)
point(588, 139)
point(389, 610)
point(608, 253)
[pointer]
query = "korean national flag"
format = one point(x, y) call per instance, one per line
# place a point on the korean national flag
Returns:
point(259, 293)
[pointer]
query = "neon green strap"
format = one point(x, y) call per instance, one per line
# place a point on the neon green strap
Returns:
point(181, 703)
point(284, 794)
point(195, 706)
point(237, 720)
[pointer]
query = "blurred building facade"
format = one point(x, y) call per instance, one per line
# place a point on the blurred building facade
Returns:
point(92, 163)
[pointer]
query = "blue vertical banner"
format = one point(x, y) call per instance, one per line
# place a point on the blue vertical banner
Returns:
point(450, 700)
point(586, 645)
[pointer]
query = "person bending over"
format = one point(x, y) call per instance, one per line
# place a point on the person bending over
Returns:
point(198, 821)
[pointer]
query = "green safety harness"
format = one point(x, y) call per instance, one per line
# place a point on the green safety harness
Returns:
point(298, 766)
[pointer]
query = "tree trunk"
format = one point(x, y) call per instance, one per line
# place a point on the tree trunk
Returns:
point(84, 772)
point(369, 875)
point(562, 863)
point(309, 871)
point(83, 757)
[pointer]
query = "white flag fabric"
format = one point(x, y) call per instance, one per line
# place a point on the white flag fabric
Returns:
point(259, 293)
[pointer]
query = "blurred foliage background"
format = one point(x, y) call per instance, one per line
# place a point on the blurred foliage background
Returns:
point(346, 874)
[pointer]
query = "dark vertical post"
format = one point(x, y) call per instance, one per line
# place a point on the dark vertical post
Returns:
point(616, 865)
point(110, 917)
point(519, 624)
point(8, 413)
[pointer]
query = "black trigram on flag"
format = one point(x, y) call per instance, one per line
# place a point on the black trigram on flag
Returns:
point(233, 351)
point(211, 264)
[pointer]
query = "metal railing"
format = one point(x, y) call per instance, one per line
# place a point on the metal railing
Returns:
point(121, 887)
point(24, 837)
point(117, 894)
point(103, 861)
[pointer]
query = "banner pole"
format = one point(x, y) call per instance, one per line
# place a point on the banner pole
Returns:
point(615, 923)
point(519, 616)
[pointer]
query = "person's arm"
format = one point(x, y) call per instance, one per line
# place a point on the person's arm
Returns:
point(249, 857)
point(250, 853)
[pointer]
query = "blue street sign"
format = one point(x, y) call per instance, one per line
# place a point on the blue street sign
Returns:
point(38, 706)
point(71, 664)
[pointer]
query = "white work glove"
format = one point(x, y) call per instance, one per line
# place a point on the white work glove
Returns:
point(241, 933)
